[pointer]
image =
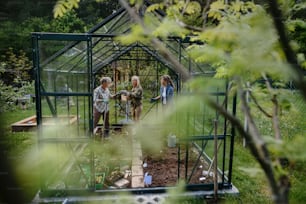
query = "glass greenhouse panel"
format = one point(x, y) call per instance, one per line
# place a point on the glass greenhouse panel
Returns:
point(119, 23)
point(66, 166)
point(62, 71)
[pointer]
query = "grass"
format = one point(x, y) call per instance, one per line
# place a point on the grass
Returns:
point(248, 178)
point(247, 175)
point(16, 145)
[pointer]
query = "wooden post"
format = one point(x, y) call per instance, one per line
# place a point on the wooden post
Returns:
point(216, 160)
point(247, 95)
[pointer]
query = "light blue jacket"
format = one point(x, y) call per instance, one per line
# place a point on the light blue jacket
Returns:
point(169, 93)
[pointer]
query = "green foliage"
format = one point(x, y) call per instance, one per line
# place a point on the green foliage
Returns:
point(188, 12)
point(137, 34)
point(9, 95)
point(14, 68)
point(215, 10)
point(244, 46)
point(24, 18)
point(18, 36)
point(69, 22)
point(237, 43)
point(63, 6)
point(136, 2)
point(219, 9)
point(15, 79)
point(154, 7)
point(241, 44)
point(167, 28)
point(93, 12)
point(20, 10)
point(296, 26)
point(90, 11)
point(15, 36)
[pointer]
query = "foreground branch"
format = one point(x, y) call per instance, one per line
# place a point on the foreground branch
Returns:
point(259, 106)
point(258, 149)
point(289, 53)
point(204, 13)
point(256, 145)
point(157, 44)
point(275, 118)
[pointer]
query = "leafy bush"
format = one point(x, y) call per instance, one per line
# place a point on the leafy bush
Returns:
point(15, 68)
point(15, 79)
point(9, 95)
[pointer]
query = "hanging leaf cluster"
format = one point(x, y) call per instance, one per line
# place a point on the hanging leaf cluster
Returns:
point(187, 12)
point(244, 46)
point(219, 9)
point(63, 6)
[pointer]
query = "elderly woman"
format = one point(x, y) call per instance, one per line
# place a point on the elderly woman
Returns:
point(101, 98)
point(135, 95)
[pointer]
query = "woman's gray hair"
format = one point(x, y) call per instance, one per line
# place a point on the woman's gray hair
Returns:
point(105, 79)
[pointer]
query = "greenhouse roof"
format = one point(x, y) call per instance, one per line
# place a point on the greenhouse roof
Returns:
point(71, 58)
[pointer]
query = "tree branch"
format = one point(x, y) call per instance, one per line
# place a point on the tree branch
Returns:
point(185, 7)
point(204, 13)
point(256, 145)
point(189, 27)
point(259, 106)
point(289, 53)
point(275, 118)
point(157, 44)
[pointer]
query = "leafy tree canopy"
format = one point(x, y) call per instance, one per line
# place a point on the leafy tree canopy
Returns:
point(19, 18)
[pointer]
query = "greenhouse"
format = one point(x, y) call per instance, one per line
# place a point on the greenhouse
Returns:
point(73, 159)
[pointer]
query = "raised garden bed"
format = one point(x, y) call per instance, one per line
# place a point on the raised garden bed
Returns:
point(163, 168)
point(30, 123)
point(111, 162)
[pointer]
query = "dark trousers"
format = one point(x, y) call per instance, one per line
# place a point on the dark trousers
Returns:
point(105, 116)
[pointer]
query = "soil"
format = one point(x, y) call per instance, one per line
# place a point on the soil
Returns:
point(164, 168)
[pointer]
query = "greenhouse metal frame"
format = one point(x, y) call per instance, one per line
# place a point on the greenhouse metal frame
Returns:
point(66, 68)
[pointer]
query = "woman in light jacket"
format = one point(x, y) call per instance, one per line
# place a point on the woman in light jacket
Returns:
point(166, 91)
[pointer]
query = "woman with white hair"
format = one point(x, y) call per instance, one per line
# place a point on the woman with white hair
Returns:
point(101, 98)
point(135, 95)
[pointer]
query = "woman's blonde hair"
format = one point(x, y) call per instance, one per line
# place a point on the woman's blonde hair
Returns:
point(137, 79)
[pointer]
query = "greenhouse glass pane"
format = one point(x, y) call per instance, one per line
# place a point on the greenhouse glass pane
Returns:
point(117, 25)
point(65, 68)
point(66, 166)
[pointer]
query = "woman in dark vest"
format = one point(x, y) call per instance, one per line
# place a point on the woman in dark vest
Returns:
point(135, 95)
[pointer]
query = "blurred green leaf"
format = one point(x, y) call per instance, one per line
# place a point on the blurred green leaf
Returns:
point(154, 7)
point(137, 34)
point(168, 28)
point(63, 6)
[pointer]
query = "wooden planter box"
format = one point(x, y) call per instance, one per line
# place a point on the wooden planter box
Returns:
point(30, 124)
